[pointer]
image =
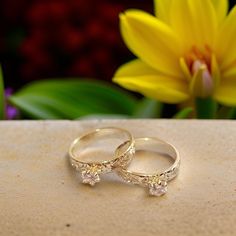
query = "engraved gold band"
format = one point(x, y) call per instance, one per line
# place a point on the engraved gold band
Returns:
point(90, 170)
point(156, 182)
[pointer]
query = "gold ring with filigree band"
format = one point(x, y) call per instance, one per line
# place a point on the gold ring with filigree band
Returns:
point(103, 142)
point(156, 181)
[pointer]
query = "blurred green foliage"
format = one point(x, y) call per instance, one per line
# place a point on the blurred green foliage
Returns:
point(95, 99)
point(72, 99)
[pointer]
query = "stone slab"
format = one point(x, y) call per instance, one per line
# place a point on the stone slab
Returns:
point(40, 194)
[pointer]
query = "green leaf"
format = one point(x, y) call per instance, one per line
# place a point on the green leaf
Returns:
point(184, 113)
point(71, 99)
point(205, 108)
point(226, 113)
point(2, 96)
point(148, 108)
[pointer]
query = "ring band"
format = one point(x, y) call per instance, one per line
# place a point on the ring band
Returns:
point(90, 170)
point(156, 182)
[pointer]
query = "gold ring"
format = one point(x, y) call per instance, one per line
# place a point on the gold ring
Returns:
point(157, 180)
point(94, 144)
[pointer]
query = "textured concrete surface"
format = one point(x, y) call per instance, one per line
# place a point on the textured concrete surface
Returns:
point(41, 195)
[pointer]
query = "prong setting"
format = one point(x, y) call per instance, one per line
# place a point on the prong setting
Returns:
point(90, 176)
point(158, 188)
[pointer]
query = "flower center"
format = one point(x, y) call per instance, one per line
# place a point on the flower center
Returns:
point(201, 72)
point(200, 69)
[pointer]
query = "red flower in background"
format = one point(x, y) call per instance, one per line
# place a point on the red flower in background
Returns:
point(66, 37)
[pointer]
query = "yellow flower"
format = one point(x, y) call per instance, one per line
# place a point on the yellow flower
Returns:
point(187, 50)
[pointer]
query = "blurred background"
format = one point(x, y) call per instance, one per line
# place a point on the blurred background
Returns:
point(43, 39)
point(62, 38)
point(66, 38)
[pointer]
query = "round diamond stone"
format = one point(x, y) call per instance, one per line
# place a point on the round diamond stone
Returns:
point(158, 189)
point(89, 177)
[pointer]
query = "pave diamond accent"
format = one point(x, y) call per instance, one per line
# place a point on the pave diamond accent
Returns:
point(157, 188)
point(90, 176)
point(125, 159)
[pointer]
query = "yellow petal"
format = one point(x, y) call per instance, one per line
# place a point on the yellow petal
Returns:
point(162, 10)
point(221, 7)
point(195, 22)
point(135, 68)
point(185, 69)
point(230, 73)
point(215, 71)
point(225, 47)
point(139, 77)
point(152, 41)
point(226, 93)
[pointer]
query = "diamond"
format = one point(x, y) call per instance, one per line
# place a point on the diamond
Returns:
point(132, 151)
point(90, 176)
point(158, 189)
